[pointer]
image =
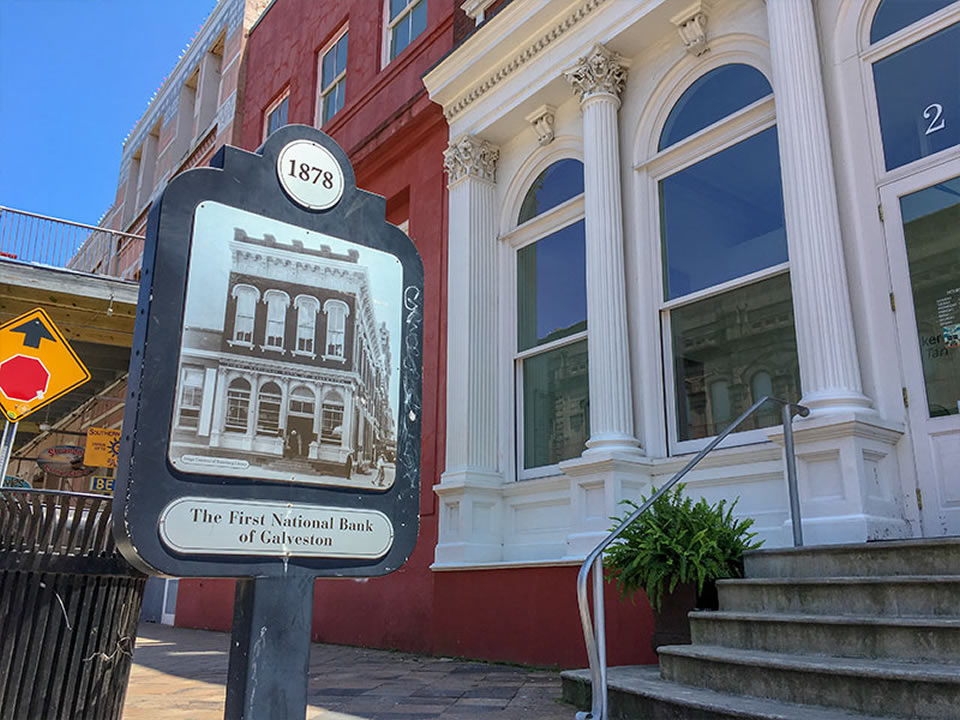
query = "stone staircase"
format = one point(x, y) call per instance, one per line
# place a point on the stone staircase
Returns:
point(841, 632)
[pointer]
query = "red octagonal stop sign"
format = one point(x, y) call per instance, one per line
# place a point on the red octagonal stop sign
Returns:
point(23, 378)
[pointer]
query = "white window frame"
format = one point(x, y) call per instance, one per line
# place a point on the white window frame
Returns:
point(235, 292)
point(227, 427)
point(388, 26)
point(269, 298)
point(309, 305)
point(322, 91)
point(273, 106)
point(870, 54)
point(180, 404)
point(328, 305)
point(537, 228)
point(711, 140)
point(258, 429)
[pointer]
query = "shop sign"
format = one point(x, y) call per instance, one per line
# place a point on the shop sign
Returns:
point(10, 481)
point(102, 448)
point(63, 461)
point(100, 483)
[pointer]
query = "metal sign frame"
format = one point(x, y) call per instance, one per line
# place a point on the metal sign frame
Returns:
point(146, 480)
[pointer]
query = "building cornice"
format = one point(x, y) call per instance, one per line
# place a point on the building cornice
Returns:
point(455, 101)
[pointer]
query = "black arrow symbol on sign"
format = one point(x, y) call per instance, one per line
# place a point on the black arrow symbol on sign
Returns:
point(33, 332)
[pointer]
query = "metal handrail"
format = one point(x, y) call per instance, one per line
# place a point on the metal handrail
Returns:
point(594, 629)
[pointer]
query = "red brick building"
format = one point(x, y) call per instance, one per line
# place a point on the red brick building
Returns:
point(354, 69)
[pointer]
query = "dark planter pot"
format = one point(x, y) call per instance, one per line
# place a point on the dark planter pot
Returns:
point(671, 626)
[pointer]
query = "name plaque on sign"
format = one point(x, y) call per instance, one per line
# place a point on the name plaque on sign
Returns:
point(207, 526)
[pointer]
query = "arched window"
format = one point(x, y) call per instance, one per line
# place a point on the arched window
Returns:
point(302, 402)
point(917, 82)
point(551, 351)
point(269, 401)
point(238, 405)
point(714, 96)
point(277, 303)
point(336, 312)
point(894, 15)
point(307, 308)
point(721, 219)
point(331, 420)
point(558, 183)
point(243, 322)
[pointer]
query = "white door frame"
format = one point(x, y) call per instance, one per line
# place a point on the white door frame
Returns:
point(933, 439)
point(170, 586)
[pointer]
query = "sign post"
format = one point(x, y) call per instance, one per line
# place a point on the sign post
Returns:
point(273, 423)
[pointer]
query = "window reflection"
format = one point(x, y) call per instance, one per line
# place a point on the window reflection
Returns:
point(918, 98)
point(723, 217)
point(931, 228)
point(729, 347)
point(556, 417)
point(558, 183)
point(714, 96)
point(894, 15)
point(551, 287)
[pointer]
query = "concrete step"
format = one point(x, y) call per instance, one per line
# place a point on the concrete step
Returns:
point(639, 692)
point(912, 639)
point(895, 596)
point(883, 687)
point(922, 556)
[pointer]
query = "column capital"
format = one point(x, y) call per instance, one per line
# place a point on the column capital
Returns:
point(601, 71)
point(469, 155)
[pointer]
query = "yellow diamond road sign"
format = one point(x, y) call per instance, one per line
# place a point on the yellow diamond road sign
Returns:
point(37, 365)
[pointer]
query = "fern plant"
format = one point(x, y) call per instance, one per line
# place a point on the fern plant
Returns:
point(675, 542)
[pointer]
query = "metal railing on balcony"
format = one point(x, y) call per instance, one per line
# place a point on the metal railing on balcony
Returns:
point(594, 628)
point(42, 240)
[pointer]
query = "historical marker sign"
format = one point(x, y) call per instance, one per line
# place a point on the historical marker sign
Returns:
point(276, 364)
point(37, 365)
point(272, 429)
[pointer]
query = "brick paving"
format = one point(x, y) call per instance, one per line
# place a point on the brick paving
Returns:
point(179, 674)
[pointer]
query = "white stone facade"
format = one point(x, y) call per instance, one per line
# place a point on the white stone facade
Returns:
point(873, 463)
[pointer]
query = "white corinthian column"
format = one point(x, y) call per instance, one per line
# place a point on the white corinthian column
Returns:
point(471, 308)
point(598, 79)
point(829, 370)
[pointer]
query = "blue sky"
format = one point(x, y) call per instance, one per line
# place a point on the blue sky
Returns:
point(75, 75)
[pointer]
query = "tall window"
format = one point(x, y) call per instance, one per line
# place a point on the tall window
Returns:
point(191, 396)
point(916, 82)
point(406, 19)
point(243, 323)
point(269, 401)
point(238, 405)
point(333, 78)
point(276, 115)
point(307, 308)
point(331, 425)
point(726, 282)
point(336, 312)
point(551, 355)
point(277, 303)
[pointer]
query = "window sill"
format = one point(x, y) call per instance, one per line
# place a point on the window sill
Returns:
point(240, 343)
point(272, 348)
point(304, 353)
point(335, 358)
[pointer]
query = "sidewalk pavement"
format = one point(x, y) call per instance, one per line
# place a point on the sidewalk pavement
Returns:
point(179, 674)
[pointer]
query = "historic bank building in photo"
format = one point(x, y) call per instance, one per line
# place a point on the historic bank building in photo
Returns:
point(301, 369)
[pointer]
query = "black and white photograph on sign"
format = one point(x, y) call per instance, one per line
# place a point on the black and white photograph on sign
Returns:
point(288, 368)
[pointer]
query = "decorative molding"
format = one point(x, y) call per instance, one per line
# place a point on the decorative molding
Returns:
point(692, 26)
point(475, 9)
point(530, 52)
point(601, 71)
point(543, 119)
point(469, 155)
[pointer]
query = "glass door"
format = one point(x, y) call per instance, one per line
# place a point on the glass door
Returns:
point(923, 240)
